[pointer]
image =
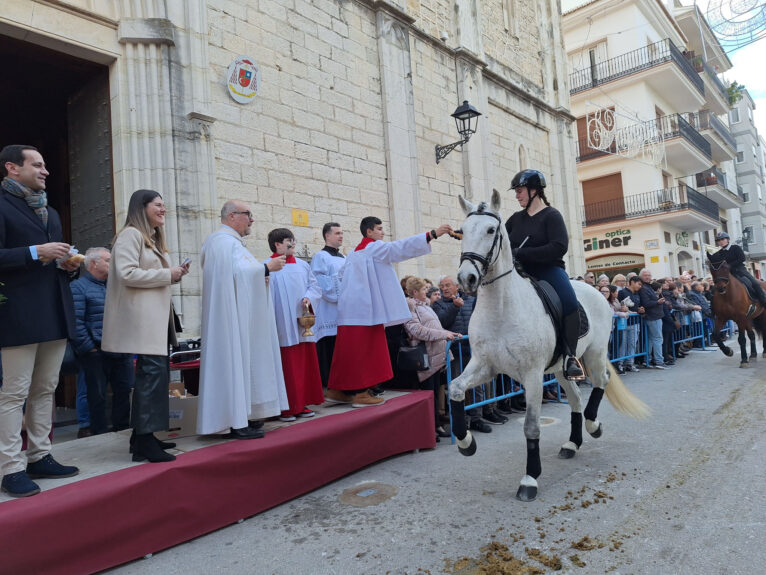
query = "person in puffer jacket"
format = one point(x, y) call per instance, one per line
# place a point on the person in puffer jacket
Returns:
point(425, 326)
point(100, 367)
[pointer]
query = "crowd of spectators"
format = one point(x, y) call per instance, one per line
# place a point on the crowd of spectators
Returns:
point(663, 303)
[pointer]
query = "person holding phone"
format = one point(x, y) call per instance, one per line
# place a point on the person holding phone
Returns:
point(138, 317)
point(652, 303)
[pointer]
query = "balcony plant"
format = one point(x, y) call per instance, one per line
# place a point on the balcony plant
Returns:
point(735, 93)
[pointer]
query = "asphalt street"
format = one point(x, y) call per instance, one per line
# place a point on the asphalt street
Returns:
point(678, 493)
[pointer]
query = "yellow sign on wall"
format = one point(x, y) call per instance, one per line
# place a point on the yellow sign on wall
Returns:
point(300, 218)
point(655, 259)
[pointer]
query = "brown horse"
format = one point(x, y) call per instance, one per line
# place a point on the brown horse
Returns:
point(731, 301)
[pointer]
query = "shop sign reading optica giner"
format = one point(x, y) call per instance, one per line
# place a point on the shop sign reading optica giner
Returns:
point(243, 79)
point(615, 239)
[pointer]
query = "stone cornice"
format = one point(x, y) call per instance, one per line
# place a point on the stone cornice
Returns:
point(81, 12)
point(467, 55)
point(389, 8)
point(513, 88)
point(146, 31)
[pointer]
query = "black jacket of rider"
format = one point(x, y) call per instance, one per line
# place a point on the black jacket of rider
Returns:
point(734, 256)
point(548, 239)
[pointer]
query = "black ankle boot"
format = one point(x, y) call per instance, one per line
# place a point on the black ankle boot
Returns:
point(147, 447)
point(572, 368)
point(162, 444)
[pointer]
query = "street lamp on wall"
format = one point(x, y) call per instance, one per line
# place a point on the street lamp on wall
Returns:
point(466, 120)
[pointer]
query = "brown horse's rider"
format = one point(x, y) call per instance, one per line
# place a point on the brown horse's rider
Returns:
point(735, 258)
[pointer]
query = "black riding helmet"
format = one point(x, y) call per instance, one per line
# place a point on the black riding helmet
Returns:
point(528, 178)
point(532, 180)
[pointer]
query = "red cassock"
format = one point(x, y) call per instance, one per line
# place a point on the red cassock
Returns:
point(302, 381)
point(361, 358)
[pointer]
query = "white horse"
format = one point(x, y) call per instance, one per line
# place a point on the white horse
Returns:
point(511, 333)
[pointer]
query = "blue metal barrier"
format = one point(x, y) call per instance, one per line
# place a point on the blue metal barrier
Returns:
point(621, 351)
point(628, 340)
point(689, 331)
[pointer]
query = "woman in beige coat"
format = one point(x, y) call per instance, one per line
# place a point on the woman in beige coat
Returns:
point(425, 326)
point(138, 317)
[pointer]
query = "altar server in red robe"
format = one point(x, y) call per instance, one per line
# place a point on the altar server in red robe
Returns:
point(293, 290)
point(370, 299)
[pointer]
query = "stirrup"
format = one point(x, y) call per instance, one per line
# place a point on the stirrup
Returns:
point(578, 364)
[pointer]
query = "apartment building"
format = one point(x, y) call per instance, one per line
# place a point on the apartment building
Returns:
point(751, 174)
point(654, 151)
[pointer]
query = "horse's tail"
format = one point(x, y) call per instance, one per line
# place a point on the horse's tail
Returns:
point(759, 324)
point(622, 399)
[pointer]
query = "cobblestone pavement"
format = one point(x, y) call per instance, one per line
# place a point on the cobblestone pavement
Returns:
point(679, 493)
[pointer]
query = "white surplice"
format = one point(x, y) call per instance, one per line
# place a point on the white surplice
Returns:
point(370, 293)
point(326, 268)
point(288, 287)
point(241, 370)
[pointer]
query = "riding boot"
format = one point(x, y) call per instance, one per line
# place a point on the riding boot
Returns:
point(573, 370)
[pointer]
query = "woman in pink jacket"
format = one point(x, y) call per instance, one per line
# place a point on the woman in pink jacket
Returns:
point(425, 326)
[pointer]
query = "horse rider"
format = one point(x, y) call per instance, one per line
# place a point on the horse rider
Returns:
point(735, 258)
point(539, 240)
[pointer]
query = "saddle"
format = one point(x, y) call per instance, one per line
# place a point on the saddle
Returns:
point(552, 306)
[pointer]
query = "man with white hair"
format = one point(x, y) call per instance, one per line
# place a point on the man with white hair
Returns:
point(101, 368)
point(241, 376)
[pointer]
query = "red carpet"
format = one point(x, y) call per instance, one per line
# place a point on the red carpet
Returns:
point(114, 518)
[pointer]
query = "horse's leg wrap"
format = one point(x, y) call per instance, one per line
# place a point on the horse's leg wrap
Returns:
point(591, 410)
point(457, 408)
point(534, 467)
point(575, 434)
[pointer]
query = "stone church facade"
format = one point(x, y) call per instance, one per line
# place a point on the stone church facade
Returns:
point(354, 95)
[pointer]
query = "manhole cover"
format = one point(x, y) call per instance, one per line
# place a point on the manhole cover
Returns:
point(366, 494)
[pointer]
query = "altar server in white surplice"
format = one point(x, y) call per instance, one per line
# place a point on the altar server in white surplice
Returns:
point(241, 370)
point(293, 290)
point(326, 265)
point(370, 299)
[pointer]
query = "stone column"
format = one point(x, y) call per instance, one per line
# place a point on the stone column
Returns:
point(198, 207)
point(399, 126)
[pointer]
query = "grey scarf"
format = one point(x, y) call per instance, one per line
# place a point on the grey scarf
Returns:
point(38, 201)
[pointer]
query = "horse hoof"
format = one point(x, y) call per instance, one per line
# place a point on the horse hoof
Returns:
point(468, 451)
point(566, 453)
point(764, 354)
point(744, 364)
point(728, 352)
point(598, 432)
point(526, 493)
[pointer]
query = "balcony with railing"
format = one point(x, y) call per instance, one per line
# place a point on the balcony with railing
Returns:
point(716, 91)
point(682, 205)
point(685, 148)
point(712, 183)
point(649, 58)
point(723, 144)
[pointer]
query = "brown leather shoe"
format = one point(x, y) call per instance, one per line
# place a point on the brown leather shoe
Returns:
point(84, 432)
point(365, 399)
point(337, 396)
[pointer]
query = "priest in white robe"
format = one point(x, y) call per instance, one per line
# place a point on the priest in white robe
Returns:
point(241, 370)
point(294, 290)
point(326, 265)
point(370, 299)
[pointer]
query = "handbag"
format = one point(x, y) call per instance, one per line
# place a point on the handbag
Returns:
point(413, 358)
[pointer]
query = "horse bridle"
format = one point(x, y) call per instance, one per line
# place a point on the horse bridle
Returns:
point(724, 280)
point(491, 257)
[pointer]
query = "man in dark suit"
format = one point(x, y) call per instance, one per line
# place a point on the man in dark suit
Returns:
point(36, 319)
